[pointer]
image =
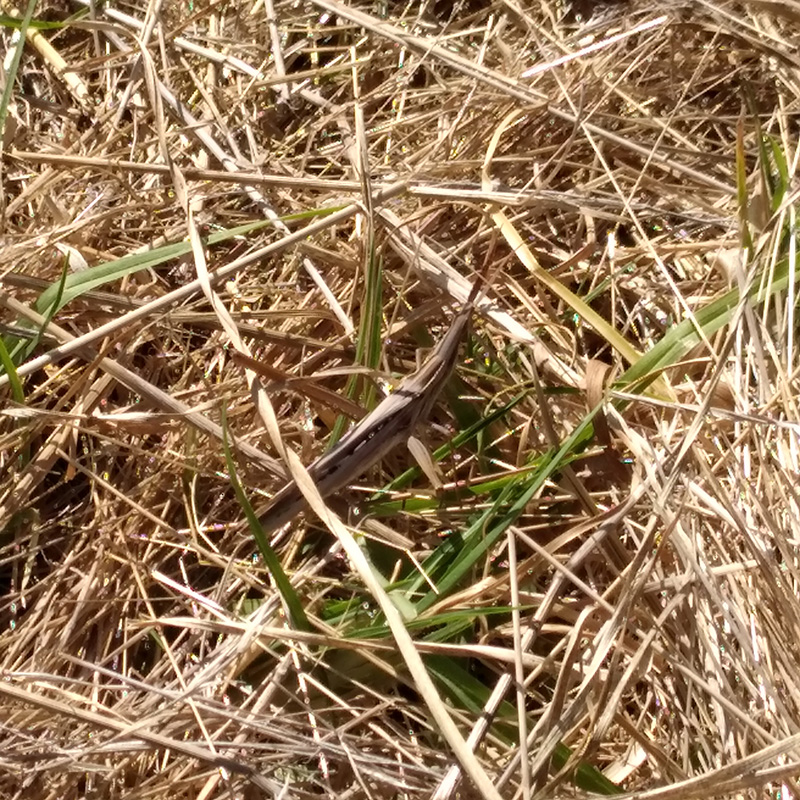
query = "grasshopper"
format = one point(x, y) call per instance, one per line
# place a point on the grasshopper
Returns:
point(390, 423)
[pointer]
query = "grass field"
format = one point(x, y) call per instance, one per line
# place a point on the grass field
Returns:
point(230, 231)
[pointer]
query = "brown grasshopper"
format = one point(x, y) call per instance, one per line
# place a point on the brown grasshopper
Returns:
point(391, 423)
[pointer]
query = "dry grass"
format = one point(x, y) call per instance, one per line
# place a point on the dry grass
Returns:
point(642, 175)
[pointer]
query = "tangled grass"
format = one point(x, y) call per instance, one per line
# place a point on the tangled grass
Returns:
point(229, 228)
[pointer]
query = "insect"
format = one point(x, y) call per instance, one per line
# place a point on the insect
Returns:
point(388, 425)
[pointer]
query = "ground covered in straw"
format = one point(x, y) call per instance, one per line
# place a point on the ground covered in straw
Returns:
point(229, 229)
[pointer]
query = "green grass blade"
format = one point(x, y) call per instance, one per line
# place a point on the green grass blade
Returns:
point(295, 608)
point(13, 379)
point(20, 348)
point(483, 533)
point(488, 488)
point(459, 440)
point(52, 310)
point(13, 67)
point(444, 627)
point(681, 338)
point(86, 280)
point(7, 21)
point(466, 692)
point(368, 344)
point(781, 180)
